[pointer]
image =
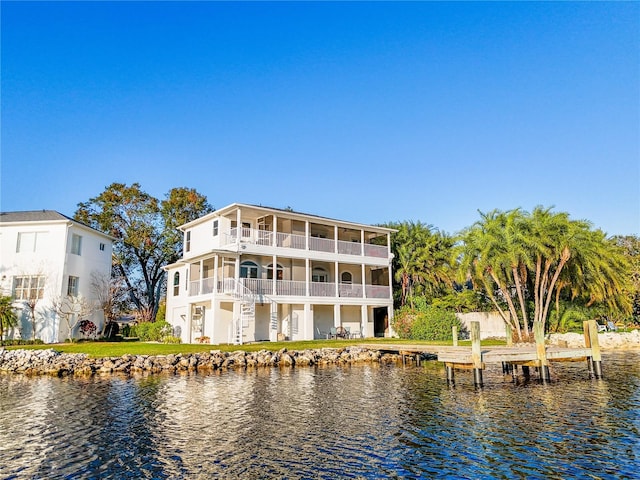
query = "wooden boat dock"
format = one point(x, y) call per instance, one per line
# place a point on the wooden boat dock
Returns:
point(476, 357)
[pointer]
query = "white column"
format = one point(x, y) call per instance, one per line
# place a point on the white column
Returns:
point(364, 281)
point(361, 242)
point(237, 274)
point(335, 239)
point(390, 317)
point(274, 240)
point(364, 320)
point(201, 275)
point(239, 226)
point(390, 280)
point(337, 275)
point(274, 274)
point(215, 274)
point(307, 268)
point(307, 234)
point(337, 321)
point(308, 321)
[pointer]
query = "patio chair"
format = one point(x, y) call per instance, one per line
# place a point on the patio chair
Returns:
point(601, 328)
point(347, 332)
point(333, 333)
point(611, 326)
point(321, 334)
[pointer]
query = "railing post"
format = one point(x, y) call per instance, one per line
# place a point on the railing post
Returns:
point(541, 352)
point(509, 334)
point(476, 353)
point(454, 335)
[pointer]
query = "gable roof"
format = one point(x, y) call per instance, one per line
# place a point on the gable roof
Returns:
point(44, 216)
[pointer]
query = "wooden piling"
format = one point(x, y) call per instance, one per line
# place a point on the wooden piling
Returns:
point(590, 328)
point(541, 351)
point(476, 353)
point(509, 334)
point(454, 333)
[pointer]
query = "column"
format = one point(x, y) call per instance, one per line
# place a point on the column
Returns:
point(274, 274)
point(337, 275)
point(392, 333)
point(308, 321)
point(215, 274)
point(335, 239)
point(307, 234)
point(364, 281)
point(307, 269)
point(274, 240)
point(361, 242)
point(273, 322)
point(364, 321)
point(237, 274)
point(337, 321)
point(239, 228)
point(200, 290)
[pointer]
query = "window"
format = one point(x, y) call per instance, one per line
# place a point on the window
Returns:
point(248, 270)
point(72, 286)
point(102, 247)
point(28, 287)
point(76, 244)
point(319, 274)
point(28, 241)
point(176, 284)
point(187, 242)
point(279, 272)
point(346, 277)
point(215, 228)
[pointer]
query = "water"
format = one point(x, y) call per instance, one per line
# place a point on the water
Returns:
point(370, 421)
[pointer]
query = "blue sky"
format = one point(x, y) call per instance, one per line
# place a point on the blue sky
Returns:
point(370, 112)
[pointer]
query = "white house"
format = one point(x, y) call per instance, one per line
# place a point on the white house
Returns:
point(251, 273)
point(46, 258)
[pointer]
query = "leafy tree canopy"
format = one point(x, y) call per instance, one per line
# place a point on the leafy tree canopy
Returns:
point(146, 235)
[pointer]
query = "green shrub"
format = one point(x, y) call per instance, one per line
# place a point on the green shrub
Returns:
point(150, 331)
point(434, 324)
point(171, 339)
point(403, 320)
point(19, 341)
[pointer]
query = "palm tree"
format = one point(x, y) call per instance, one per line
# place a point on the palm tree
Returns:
point(8, 317)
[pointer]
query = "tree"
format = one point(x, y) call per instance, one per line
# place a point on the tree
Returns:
point(109, 292)
point(146, 236)
point(8, 317)
point(421, 260)
point(630, 245)
point(71, 309)
point(517, 257)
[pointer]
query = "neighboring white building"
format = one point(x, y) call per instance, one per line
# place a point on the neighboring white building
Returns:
point(46, 256)
point(251, 273)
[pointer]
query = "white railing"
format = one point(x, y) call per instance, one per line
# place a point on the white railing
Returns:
point(322, 289)
point(350, 290)
point(291, 240)
point(291, 288)
point(258, 286)
point(349, 248)
point(194, 288)
point(322, 244)
point(378, 291)
point(379, 251)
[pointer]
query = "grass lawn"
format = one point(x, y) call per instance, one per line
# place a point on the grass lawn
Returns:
point(117, 349)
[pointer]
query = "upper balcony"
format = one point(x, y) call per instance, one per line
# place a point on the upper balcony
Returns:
point(266, 238)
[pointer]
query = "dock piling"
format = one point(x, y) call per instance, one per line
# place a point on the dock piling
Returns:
point(476, 353)
point(594, 362)
point(541, 352)
point(454, 334)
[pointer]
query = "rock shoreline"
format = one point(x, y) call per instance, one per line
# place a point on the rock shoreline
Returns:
point(51, 362)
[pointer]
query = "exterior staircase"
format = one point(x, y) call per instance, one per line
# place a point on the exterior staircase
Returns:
point(247, 309)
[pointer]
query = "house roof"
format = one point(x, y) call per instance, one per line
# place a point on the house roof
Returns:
point(286, 212)
point(43, 216)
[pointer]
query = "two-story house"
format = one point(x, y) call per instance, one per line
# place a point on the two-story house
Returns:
point(48, 258)
point(251, 273)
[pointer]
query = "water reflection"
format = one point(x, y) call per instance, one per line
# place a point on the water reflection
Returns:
point(367, 421)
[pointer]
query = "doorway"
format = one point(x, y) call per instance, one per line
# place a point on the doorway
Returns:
point(380, 321)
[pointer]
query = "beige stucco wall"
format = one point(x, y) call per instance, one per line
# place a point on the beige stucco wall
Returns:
point(491, 323)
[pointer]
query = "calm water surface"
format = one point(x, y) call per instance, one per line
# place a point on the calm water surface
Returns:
point(340, 422)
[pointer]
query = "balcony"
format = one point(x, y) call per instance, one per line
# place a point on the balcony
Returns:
point(299, 242)
point(289, 288)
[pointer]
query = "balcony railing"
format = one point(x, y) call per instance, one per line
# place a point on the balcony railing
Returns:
point(263, 286)
point(292, 240)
